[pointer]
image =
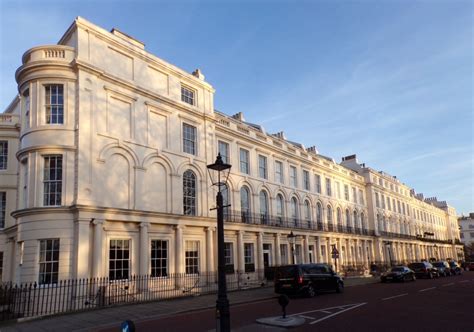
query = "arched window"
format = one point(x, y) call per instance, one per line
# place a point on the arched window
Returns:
point(294, 211)
point(245, 204)
point(356, 222)
point(348, 220)
point(307, 213)
point(329, 218)
point(225, 200)
point(189, 193)
point(279, 208)
point(379, 223)
point(263, 207)
point(319, 214)
point(339, 217)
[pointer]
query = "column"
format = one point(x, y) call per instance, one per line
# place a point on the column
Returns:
point(260, 266)
point(365, 261)
point(210, 249)
point(82, 249)
point(144, 252)
point(240, 249)
point(277, 249)
point(328, 250)
point(179, 256)
point(97, 260)
point(318, 250)
point(306, 249)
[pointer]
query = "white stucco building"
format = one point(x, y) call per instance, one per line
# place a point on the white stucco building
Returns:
point(103, 173)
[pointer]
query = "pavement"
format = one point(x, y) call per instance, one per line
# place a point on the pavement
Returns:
point(112, 317)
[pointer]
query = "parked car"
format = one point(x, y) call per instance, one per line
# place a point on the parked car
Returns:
point(398, 273)
point(469, 266)
point(443, 268)
point(424, 269)
point(307, 279)
point(455, 268)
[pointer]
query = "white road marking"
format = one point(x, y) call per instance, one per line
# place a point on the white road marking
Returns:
point(325, 309)
point(327, 312)
point(337, 313)
point(450, 284)
point(426, 289)
point(393, 297)
point(307, 317)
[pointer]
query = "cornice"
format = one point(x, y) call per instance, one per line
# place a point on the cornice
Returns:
point(44, 147)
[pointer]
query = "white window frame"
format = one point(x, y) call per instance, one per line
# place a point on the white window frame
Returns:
point(3, 155)
point(188, 95)
point(244, 164)
point(122, 260)
point(49, 277)
point(262, 168)
point(49, 105)
point(192, 263)
point(49, 183)
point(161, 267)
point(190, 143)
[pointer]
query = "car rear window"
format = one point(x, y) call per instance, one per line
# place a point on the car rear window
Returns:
point(286, 272)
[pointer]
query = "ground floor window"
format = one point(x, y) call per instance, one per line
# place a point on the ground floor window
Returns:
point(249, 257)
point(298, 254)
point(119, 259)
point(48, 262)
point(284, 254)
point(229, 257)
point(192, 257)
point(323, 253)
point(159, 258)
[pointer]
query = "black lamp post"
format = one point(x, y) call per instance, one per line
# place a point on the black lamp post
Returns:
point(291, 239)
point(388, 245)
point(222, 303)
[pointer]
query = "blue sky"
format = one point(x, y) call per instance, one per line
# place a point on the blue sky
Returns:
point(391, 81)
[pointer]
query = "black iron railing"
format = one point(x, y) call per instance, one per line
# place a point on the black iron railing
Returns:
point(291, 223)
point(413, 237)
point(33, 300)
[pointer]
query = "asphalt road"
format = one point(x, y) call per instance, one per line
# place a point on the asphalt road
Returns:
point(444, 304)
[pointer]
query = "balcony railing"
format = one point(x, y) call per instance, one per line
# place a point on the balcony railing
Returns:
point(413, 237)
point(291, 223)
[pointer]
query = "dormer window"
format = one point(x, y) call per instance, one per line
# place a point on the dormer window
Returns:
point(54, 103)
point(188, 95)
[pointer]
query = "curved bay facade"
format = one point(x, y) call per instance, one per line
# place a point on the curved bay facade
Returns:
point(104, 155)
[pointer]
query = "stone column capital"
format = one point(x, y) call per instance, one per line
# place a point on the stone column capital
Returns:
point(144, 224)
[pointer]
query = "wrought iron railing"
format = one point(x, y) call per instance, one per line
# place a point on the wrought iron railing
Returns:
point(291, 223)
point(413, 237)
point(33, 300)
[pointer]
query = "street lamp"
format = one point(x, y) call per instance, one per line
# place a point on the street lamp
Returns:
point(388, 245)
point(222, 303)
point(291, 239)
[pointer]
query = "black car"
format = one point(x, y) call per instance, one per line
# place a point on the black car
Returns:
point(398, 273)
point(455, 268)
point(307, 279)
point(443, 268)
point(424, 269)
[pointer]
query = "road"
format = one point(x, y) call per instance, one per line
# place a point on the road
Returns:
point(444, 304)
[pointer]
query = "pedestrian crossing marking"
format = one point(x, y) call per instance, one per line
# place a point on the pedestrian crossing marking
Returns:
point(330, 312)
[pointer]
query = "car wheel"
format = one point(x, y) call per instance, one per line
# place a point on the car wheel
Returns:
point(310, 291)
point(339, 288)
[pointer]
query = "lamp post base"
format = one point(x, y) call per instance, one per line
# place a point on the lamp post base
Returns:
point(222, 315)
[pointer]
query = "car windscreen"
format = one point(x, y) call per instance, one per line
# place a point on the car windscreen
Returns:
point(286, 272)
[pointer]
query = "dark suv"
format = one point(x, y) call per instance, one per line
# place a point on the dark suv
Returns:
point(307, 279)
point(424, 269)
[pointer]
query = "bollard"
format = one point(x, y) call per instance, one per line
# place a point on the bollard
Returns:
point(283, 301)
